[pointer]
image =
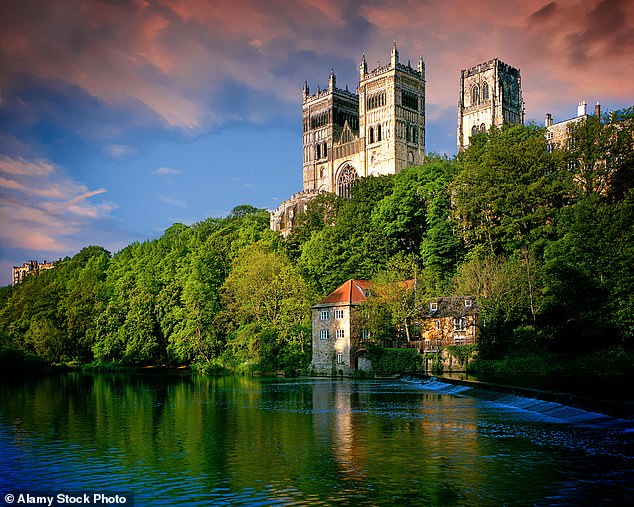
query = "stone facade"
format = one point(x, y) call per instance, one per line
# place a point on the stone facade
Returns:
point(29, 268)
point(450, 321)
point(337, 333)
point(346, 136)
point(490, 94)
point(557, 133)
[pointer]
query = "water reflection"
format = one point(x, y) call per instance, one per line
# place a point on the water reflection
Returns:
point(178, 439)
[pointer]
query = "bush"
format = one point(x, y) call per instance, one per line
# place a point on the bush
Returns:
point(394, 361)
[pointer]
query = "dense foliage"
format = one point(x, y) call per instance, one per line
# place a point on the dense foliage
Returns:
point(543, 240)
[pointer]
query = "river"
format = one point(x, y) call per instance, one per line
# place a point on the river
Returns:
point(168, 439)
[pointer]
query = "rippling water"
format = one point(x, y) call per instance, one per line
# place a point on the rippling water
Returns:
point(192, 440)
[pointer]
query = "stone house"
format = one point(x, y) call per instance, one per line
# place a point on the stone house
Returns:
point(449, 321)
point(337, 332)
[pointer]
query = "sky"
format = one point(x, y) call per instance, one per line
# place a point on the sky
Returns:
point(119, 118)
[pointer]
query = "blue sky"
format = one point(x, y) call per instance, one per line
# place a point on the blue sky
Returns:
point(120, 118)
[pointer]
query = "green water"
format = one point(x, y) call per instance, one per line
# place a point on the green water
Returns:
point(194, 440)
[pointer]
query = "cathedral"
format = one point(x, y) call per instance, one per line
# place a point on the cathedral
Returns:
point(381, 128)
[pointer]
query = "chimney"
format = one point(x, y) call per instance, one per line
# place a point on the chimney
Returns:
point(581, 108)
point(597, 111)
point(549, 120)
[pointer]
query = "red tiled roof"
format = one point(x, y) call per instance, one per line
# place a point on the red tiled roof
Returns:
point(351, 292)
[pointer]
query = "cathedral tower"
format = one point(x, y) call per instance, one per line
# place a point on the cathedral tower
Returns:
point(379, 131)
point(392, 115)
point(490, 94)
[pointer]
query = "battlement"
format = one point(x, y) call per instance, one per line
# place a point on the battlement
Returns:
point(481, 67)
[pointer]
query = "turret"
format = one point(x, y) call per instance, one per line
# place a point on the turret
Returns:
point(305, 90)
point(421, 66)
point(332, 80)
point(394, 55)
point(363, 66)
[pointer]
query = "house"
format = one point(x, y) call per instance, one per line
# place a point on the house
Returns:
point(449, 321)
point(337, 331)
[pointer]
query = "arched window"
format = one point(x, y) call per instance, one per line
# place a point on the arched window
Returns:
point(474, 130)
point(475, 95)
point(378, 133)
point(318, 151)
point(485, 91)
point(483, 128)
point(346, 176)
point(325, 150)
point(371, 135)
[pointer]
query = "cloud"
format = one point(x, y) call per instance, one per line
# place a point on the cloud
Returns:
point(194, 65)
point(162, 171)
point(180, 203)
point(42, 208)
point(118, 151)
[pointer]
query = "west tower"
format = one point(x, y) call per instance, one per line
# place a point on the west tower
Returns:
point(379, 130)
point(490, 94)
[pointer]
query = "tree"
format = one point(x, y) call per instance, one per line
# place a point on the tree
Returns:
point(508, 192)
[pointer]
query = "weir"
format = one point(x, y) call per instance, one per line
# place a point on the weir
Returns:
point(557, 407)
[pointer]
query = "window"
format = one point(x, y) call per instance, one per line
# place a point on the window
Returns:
point(318, 151)
point(340, 333)
point(433, 307)
point(338, 314)
point(339, 358)
point(474, 130)
point(467, 303)
point(346, 176)
point(475, 95)
point(459, 340)
point(485, 92)
point(371, 135)
point(460, 324)
point(365, 334)
point(438, 325)
point(323, 334)
point(483, 128)
point(378, 133)
point(324, 315)
point(409, 100)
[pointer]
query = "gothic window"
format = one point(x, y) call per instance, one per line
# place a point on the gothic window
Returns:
point(409, 100)
point(318, 151)
point(347, 175)
point(483, 128)
point(485, 91)
point(410, 158)
point(378, 133)
point(474, 130)
point(371, 135)
point(475, 95)
point(325, 150)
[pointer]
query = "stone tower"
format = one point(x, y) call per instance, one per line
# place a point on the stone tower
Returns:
point(490, 94)
point(380, 130)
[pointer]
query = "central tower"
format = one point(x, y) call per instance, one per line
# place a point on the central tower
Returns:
point(379, 130)
point(490, 94)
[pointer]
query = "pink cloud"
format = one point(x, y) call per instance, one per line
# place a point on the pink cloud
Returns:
point(177, 57)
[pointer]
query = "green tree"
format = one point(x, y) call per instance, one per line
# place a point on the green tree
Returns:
point(508, 193)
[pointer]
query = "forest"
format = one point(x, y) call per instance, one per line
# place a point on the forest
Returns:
point(542, 239)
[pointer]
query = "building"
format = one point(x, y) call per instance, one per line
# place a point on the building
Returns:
point(29, 268)
point(490, 94)
point(557, 133)
point(346, 136)
point(450, 321)
point(337, 333)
